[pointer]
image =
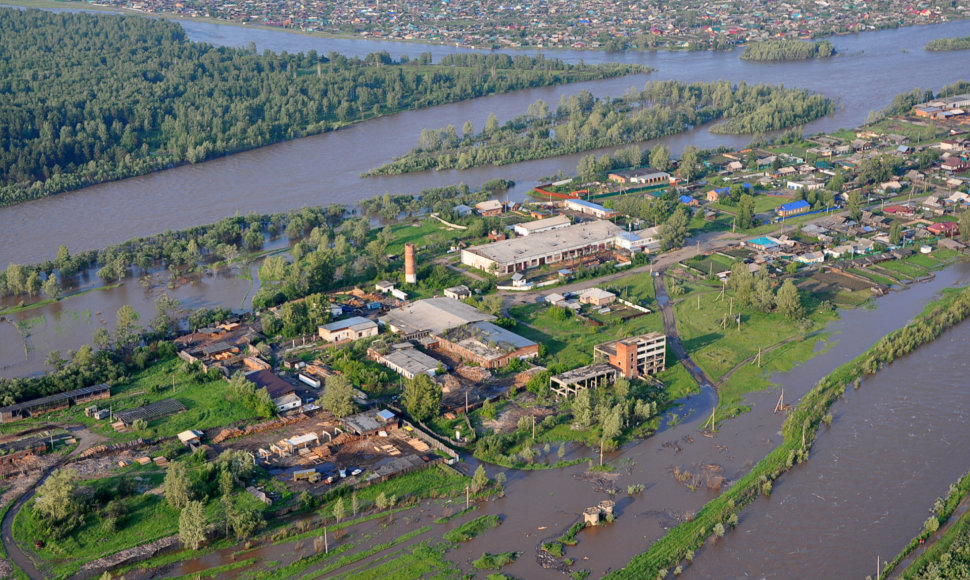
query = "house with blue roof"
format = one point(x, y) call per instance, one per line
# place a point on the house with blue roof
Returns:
point(793, 208)
point(688, 200)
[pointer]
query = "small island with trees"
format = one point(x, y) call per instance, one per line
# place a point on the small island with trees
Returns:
point(787, 50)
point(948, 44)
point(583, 122)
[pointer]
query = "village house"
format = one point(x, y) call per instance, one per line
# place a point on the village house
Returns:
point(405, 360)
point(811, 258)
point(281, 392)
point(645, 240)
point(793, 208)
point(459, 292)
point(353, 328)
point(596, 297)
point(946, 229)
point(489, 208)
point(648, 177)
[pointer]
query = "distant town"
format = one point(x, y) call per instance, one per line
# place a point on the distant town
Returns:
point(695, 25)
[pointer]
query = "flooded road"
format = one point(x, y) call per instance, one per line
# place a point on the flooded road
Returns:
point(325, 169)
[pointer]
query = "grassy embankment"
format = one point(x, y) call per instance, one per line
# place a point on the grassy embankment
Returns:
point(940, 515)
point(799, 430)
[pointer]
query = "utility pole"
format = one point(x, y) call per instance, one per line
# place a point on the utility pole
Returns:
point(468, 498)
point(466, 402)
point(731, 308)
point(326, 542)
point(533, 426)
point(759, 357)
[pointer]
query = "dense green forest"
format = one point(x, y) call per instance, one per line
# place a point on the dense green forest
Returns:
point(583, 122)
point(944, 44)
point(88, 98)
point(786, 50)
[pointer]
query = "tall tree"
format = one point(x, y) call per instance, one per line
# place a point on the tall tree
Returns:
point(855, 205)
point(338, 398)
point(660, 158)
point(422, 397)
point(126, 328)
point(689, 163)
point(788, 300)
point(674, 231)
point(178, 486)
point(896, 230)
point(192, 525)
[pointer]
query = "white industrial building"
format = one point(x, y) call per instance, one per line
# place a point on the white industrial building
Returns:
point(543, 225)
point(549, 247)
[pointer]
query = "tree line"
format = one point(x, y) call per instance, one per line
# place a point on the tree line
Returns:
point(787, 50)
point(583, 122)
point(226, 241)
point(945, 44)
point(88, 98)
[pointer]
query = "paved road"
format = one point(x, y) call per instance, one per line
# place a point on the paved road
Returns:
point(85, 439)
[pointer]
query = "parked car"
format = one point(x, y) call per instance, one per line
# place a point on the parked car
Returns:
point(343, 473)
point(355, 470)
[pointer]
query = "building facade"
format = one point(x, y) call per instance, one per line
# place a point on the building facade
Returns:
point(636, 356)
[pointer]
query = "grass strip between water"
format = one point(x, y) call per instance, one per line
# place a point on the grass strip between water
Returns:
point(350, 559)
point(799, 430)
point(941, 512)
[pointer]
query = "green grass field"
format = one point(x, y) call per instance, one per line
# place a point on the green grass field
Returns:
point(204, 399)
point(146, 517)
point(570, 342)
point(717, 348)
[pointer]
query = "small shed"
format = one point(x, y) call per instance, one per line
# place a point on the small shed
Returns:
point(190, 437)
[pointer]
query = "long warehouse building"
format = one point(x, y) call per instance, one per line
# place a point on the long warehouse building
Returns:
point(542, 248)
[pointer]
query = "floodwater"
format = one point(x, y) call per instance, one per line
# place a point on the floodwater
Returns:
point(541, 505)
point(68, 324)
point(325, 169)
point(895, 445)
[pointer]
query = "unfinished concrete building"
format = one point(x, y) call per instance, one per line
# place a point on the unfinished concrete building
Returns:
point(635, 356)
point(592, 376)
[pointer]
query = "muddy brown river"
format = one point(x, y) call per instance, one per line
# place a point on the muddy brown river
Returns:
point(865, 491)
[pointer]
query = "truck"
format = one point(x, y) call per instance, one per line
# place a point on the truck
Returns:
point(310, 475)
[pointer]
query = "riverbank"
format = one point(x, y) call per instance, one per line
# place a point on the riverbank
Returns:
point(799, 431)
